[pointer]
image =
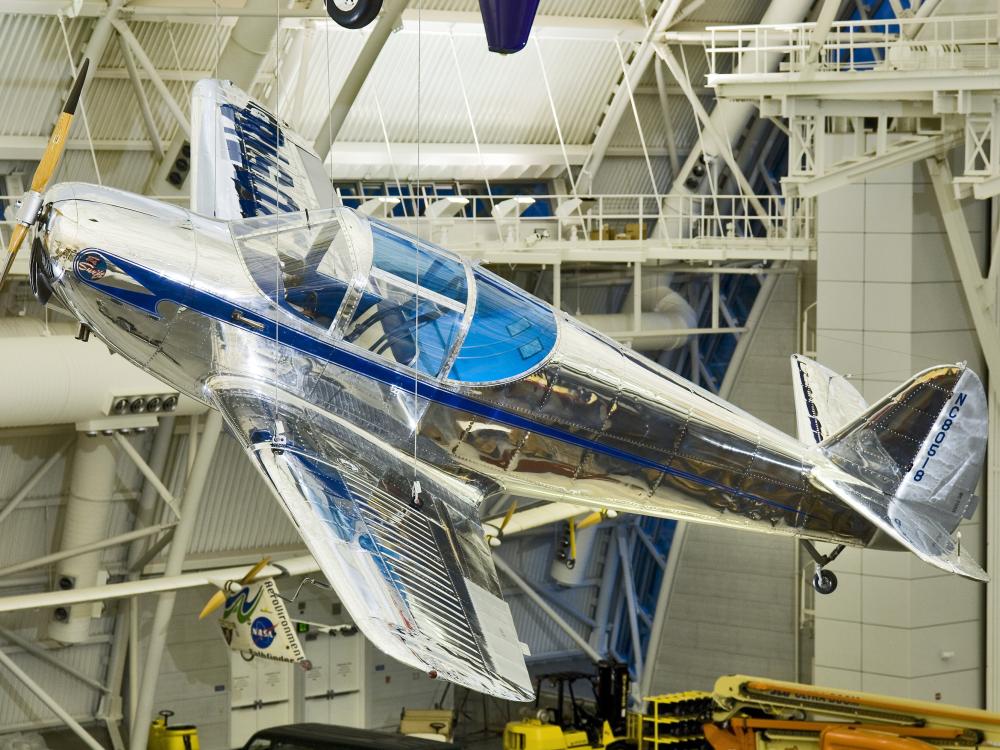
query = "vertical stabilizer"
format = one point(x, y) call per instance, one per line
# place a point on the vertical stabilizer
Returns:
point(824, 400)
point(912, 462)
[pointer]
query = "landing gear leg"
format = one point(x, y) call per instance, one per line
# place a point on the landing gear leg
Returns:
point(824, 581)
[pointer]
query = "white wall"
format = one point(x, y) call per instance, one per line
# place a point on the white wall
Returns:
point(195, 679)
point(889, 306)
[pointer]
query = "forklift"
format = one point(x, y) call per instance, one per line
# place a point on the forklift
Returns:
point(602, 727)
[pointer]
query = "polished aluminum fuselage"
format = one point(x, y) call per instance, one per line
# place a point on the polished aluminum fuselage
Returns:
point(595, 424)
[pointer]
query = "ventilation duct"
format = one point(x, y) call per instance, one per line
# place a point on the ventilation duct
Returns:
point(64, 380)
point(85, 521)
point(663, 309)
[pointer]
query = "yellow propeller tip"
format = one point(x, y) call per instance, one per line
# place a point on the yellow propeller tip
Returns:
point(217, 600)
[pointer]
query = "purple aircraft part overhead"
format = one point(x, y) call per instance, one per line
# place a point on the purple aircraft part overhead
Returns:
point(508, 23)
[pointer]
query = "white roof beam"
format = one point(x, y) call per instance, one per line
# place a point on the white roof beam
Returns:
point(356, 78)
point(31, 148)
point(369, 160)
point(140, 54)
point(621, 96)
point(446, 154)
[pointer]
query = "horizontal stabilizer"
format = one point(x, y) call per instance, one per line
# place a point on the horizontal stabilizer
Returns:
point(910, 464)
point(824, 400)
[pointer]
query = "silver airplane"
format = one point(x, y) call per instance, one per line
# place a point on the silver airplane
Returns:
point(385, 388)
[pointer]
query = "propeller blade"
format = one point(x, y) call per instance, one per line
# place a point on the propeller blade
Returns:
point(31, 204)
point(219, 597)
point(217, 600)
point(57, 141)
point(252, 573)
point(508, 515)
point(16, 239)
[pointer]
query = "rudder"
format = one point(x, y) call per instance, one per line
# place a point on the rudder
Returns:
point(923, 443)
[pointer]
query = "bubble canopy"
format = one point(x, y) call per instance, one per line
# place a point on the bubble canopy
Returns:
point(372, 286)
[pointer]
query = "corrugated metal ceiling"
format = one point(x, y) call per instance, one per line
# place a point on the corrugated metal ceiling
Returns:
point(506, 95)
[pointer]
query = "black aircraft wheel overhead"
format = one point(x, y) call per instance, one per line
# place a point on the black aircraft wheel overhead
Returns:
point(353, 14)
point(825, 582)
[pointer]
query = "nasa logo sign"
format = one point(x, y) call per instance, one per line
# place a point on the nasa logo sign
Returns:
point(90, 266)
point(262, 632)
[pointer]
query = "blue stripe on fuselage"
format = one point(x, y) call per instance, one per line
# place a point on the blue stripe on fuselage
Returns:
point(222, 310)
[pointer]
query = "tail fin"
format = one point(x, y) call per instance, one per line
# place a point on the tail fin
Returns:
point(824, 400)
point(918, 454)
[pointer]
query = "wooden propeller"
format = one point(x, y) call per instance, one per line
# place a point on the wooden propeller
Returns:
point(31, 203)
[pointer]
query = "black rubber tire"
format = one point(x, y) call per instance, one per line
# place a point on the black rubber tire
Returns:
point(362, 14)
point(825, 582)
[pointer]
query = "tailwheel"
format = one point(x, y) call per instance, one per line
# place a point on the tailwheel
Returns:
point(824, 581)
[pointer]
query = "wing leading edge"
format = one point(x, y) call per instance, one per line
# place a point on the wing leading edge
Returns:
point(418, 582)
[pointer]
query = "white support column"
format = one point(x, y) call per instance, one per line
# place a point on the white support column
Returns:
point(729, 118)
point(992, 561)
point(97, 546)
point(605, 597)
point(889, 304)
point(240, 61)
point(99, 39)
point(45, 655)
point(980, 295)
point(711, 135)
point(174, 564)
point(148, 473)
point(34, 479)
point(545, 607)
point(625, 555)
point(981, 298)
point(668, 121)
point(141, 98)
point(827, 15)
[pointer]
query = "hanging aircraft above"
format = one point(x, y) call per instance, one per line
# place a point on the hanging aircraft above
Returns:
point(386, 387)
point(507, 22)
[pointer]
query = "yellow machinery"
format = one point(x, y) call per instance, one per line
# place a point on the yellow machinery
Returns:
point(753, 713)
point(535, 734)
point(674, 721)
point(177, 737)
point(604, 726)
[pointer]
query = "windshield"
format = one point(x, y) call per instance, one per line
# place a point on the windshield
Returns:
point(305, 264)
point(376, 287)
point(511, 333)
point(412, 308)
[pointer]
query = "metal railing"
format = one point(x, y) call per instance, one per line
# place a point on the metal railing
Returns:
point(680, 218)
point(677, 218)
point(967, 42)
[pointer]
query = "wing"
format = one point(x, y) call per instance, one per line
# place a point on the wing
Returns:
point(245, 162)
point(418, 580)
